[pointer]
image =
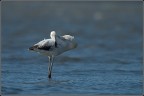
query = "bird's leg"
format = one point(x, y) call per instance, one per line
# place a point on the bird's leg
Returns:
point(49, 68)
point(51, 58)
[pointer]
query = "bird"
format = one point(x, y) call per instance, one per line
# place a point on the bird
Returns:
point(53, 47)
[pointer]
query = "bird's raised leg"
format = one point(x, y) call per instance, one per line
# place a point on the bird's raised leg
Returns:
point(51, 58)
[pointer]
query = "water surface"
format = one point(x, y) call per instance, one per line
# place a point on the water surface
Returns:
point(108, 59)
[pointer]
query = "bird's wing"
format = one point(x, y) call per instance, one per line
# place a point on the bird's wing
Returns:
point(60, 41)
point(46, 44)
point(68, 37)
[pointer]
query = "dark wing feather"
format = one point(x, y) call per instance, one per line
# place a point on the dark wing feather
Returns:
point(33, 47)
point(47, 45)
point(45, 48)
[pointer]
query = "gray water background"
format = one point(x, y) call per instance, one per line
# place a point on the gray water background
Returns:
point(108, 59)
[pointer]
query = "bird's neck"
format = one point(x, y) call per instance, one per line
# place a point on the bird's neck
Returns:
point(53, 38)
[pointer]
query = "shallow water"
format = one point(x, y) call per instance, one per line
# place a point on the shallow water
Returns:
point(108, 59)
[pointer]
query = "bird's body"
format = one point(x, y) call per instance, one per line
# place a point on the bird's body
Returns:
point(54, 47)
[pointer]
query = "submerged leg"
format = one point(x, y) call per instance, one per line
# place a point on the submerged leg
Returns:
point(50, 66)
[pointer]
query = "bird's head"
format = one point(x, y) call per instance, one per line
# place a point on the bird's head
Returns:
point(53, 34)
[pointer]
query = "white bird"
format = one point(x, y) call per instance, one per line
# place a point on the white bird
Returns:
point(54, 46)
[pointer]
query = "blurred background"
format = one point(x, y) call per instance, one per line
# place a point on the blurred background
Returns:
point(108, 59)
